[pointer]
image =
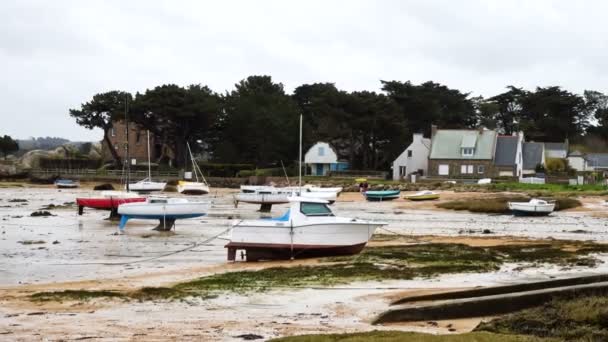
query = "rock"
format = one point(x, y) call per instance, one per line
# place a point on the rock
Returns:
point(42, 213)
point(56, 242)
point(17, 200)
point(250, 337)
point(105, 186)
point(32, 242)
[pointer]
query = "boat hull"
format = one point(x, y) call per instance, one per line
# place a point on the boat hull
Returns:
point(525, 209)
point(106, 203)
point(262, 198)
point(277, 239)
point(382, 195)
point(147, 186)
point(256, 252)
point(192, 188)
point(422, 198)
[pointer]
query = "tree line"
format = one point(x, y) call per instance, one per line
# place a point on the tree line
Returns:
point(257, 121)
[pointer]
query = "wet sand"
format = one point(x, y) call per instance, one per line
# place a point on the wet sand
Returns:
point(83, 252)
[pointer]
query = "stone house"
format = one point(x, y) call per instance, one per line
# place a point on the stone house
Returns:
point(138, 144)
point(414, 159)
point(462, 153)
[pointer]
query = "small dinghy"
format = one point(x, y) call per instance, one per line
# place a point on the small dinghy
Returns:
point(382, 195)
point(535, 206)
point(315, 188)
point(192, 188)
point(66, 184)
point(266, 196)
point(307, 229)
point(425, 195)
point(164, 209)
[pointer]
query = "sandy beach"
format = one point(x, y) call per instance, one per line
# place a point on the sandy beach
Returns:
point(67, 251)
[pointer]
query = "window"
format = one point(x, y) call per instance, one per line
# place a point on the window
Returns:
point(481, 168)
point(315, 209)
point(137, 136)
point(468, 151)
point(321, 151)
point(112, 132)
point(409, 153)
point(466, 169)
point(444, 169)
point(402, 171)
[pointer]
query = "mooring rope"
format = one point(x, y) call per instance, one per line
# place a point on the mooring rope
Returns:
point(152, 258)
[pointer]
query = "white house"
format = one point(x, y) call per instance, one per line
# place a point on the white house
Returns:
point(320, 158)
point(578, 161)
point(415, 158)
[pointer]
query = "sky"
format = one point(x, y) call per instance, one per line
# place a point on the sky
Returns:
point(55, 55)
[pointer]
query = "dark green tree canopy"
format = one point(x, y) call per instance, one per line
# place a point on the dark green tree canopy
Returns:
point(101, 111)
point(8, 145)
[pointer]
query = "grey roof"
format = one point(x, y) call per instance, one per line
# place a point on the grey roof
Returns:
point(597, 160)
point(532, 154)
point(447, 144)
point(556, 146)
point(506, 150)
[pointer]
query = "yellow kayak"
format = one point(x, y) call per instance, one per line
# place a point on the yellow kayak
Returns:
point(422, 196)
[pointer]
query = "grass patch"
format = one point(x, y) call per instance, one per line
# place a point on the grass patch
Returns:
point(377, 264)
point(586, 189)
point(499, 205)
point(79, 295)
point(573, 319)
point(398, 336)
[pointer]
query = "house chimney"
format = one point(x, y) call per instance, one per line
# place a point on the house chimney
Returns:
point(433, 130)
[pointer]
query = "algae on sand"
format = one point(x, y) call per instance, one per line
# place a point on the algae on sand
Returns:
point(570, 318)
point(499, 205)
point(398, 336)
point(376, 264)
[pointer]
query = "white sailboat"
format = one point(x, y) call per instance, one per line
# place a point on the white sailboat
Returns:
point(148, 185)
point(307, 229)
point(193, 188)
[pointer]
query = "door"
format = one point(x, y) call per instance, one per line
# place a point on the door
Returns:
point(319, 169)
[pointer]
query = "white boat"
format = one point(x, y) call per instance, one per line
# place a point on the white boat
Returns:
point(308, 228)
point(165, 209)
point(533, 207)
point(198, 187)
point(147, 185)
point(67, 184)
point(315, 188)
point(119, 194)
point(266, 196)
point(192, 188)
point(484, 181)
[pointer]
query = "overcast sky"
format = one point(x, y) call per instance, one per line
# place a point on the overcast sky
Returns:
point(54, 55)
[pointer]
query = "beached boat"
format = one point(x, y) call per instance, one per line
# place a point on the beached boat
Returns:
point(307, 229)
point(315, 188)
point(147, 185)
point(164, 209)
point(425, 195)
point(266, 196)
point(535, 206)
point(192, 188)
point(198, 187)
point(66, 184)
point(382, 195)
point(107, 200)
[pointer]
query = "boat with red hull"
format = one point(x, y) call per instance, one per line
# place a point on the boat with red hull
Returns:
point(105, 203)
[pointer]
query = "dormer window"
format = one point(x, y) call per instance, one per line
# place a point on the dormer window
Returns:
point(321, 151)
point(467, 151)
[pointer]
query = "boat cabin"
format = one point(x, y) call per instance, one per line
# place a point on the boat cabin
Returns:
point(302, 208)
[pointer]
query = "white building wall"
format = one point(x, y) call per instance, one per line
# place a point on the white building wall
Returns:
point(314, 155)
point(519, 156)
point(578, 163)
point(420, 149)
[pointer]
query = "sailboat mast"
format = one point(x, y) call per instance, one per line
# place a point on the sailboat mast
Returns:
point(300, 158)
point(149, 167)
point(127, 146)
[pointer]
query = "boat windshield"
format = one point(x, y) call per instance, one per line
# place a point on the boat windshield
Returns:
point(315, 209)
point(158, 200)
